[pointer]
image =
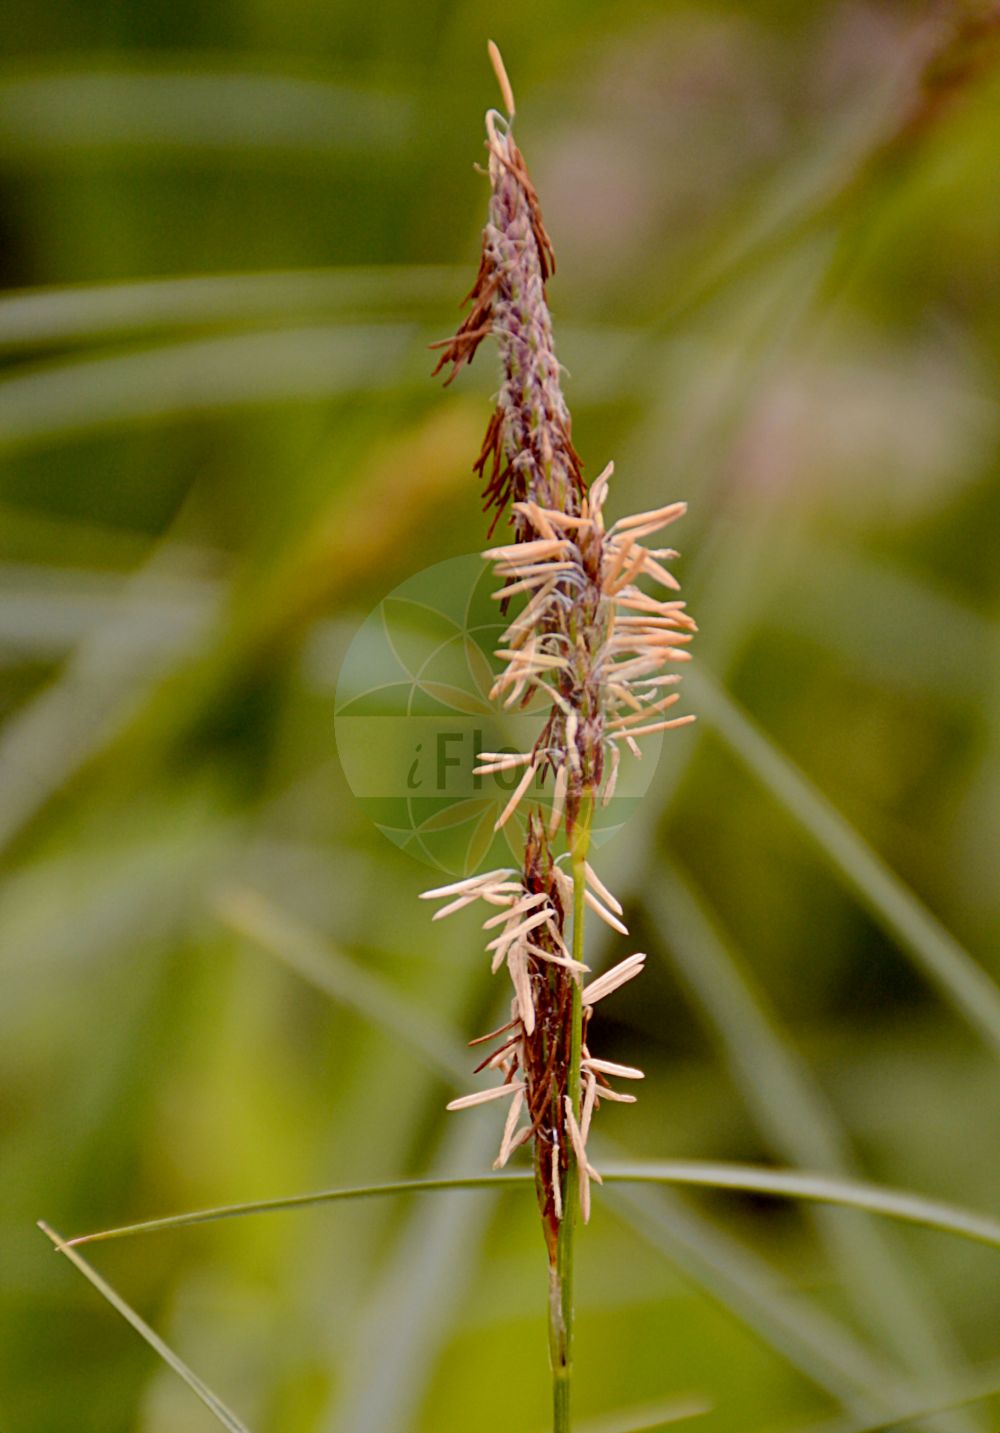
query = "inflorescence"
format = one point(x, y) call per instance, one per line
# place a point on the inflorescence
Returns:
point(590, 641)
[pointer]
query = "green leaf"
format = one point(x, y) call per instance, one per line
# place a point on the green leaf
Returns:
point(825, 1188)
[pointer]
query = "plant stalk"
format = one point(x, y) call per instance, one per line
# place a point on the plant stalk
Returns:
point(561, 1275)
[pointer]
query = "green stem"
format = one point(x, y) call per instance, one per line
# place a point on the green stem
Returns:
point(561, 1275)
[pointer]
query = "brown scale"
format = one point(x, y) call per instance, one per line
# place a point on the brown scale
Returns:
point(574, 463)
point(477, 324)
point(498, 490)
point(547, 1049)
point(506, 484)
point(543, 1057)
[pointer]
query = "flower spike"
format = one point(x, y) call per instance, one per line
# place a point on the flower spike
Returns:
point(595, 629)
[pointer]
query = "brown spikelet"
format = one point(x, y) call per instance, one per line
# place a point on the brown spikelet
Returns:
point(513, 160)
point(527, 452)
point(476, 325)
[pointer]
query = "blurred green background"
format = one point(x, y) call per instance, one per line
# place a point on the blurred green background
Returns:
point(228, 233)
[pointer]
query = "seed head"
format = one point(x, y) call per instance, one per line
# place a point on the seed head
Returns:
point(595, 643)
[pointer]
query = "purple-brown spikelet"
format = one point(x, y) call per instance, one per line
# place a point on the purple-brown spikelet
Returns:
point(528, 452)
point(586, 636)
point(533, 1053)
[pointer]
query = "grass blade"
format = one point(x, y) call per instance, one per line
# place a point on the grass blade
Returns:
point(371, 997)
point(303, 1201)
point(52, 316)
point(47, 611)
point(60, 400)
point(809, 1339)
point(102, 683)
point(962, 982)
point(148, 112)
point(441, 1243)
point(742, 1283)
point(898, 1204)
point(245, 911)
point(793, 1115)
point(214, 1405)
point(649, 1418)
point(971, 1390)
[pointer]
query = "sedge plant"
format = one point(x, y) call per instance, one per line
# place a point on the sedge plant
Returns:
point(594, 649)
point(594, 635)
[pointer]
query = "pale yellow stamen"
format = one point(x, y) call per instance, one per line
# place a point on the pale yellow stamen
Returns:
point(656, 726)
point(598, 885)
point(558, 798)
point(507, 1142)
point(658, 517)
point(564, 960)
point(500, 70)
point(482, 1097)
point(527, 904)
point(467, 885)
point(530, 923)
point(644, 712)
point(609, 1067)
point(612, 979)
point(557, 1203)
point(517, 964)
point(605, 915)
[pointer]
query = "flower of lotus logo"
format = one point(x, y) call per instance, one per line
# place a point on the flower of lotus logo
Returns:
point(414, 710)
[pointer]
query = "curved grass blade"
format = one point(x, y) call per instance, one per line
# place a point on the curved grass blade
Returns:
point(32, 318)
point(149, 112)
point(47, 610)
point(739, 1281)
point(115, 666)
point(946, 963)
point(792, 1113)
point(974, 1390)
point(653, 1417)
point(214, 1405)
point(60, 400)
point(893, 1203)
point(303, 1201)
point(220, 372)
point(245, 911)
point(810, 1340)
point(898, 1204)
